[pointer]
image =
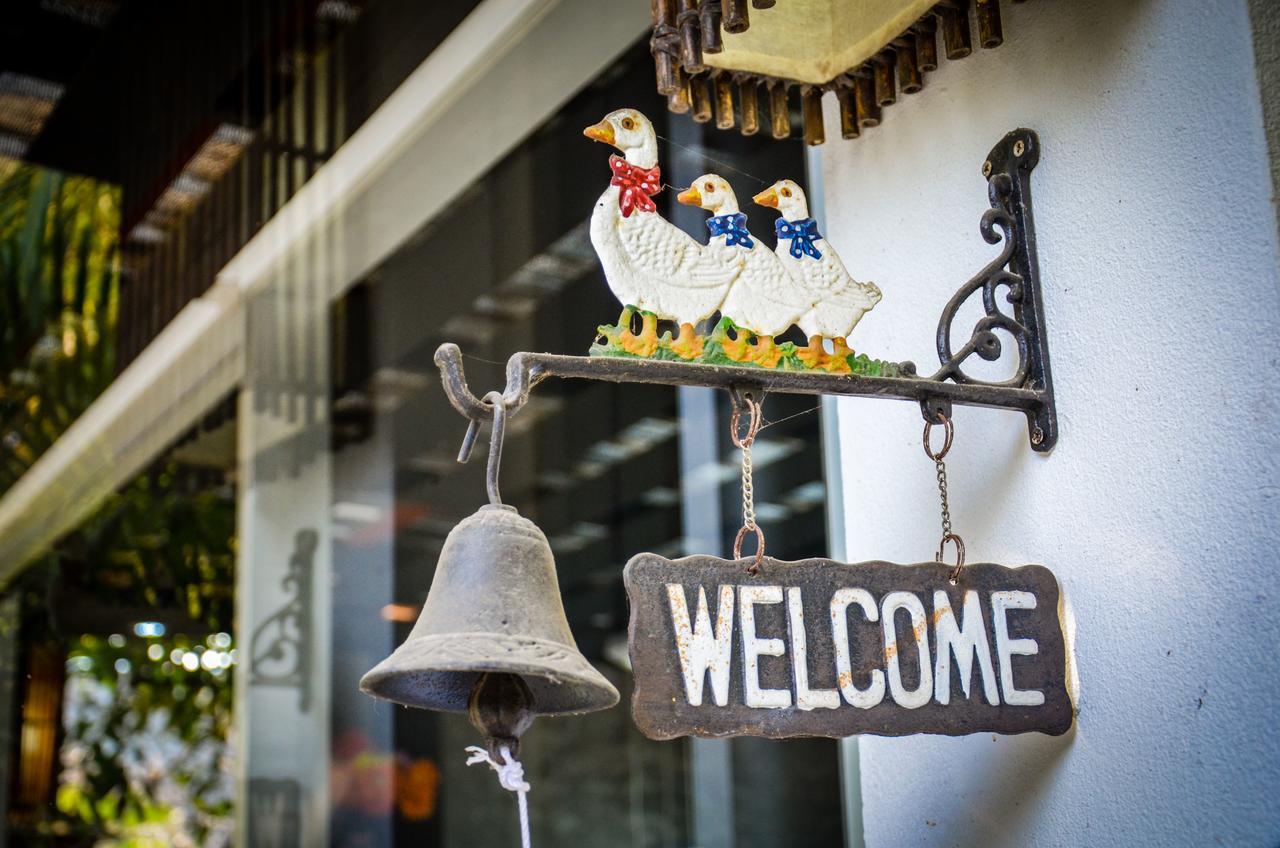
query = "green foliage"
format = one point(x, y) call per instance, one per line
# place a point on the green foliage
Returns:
point(608, 343)
point(165, 542)
point(59, 239)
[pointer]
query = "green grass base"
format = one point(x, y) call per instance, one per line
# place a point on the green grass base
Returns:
point(713, 353)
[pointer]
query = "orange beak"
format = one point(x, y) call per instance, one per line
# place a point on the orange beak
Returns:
point(602, 131)
point(768, 197)
point(690, 196)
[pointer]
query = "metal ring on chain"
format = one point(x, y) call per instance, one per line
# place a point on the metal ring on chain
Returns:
point(942, 546)
point(737, 547)
point(753, 425)
point(949, 432)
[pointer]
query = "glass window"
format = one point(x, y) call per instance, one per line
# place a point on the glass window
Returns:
point(183, 668)
point(605, 470)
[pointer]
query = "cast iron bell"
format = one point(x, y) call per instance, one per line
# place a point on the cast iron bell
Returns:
point(492, 639)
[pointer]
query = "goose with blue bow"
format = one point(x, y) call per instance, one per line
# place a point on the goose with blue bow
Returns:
point(763, 302)
point(838, 301)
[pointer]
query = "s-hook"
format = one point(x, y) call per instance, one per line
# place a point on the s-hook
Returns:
point(495, 445)
point(496, 406)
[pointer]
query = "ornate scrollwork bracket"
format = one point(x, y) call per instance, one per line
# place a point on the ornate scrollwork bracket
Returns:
point(1009, 287)
point(280, 650)
point(1010, 292)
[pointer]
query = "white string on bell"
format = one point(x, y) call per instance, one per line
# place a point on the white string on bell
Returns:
point(511, 776)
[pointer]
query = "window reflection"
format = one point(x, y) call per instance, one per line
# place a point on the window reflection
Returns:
point(605, 470)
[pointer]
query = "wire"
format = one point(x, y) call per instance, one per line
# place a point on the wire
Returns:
point(702, 154)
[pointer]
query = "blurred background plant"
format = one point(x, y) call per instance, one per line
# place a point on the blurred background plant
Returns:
point(136, 724)
point(59, 249)
point(145, 759)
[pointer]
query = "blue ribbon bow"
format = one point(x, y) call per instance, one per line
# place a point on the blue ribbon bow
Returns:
point(734, 226)
point(803, 234)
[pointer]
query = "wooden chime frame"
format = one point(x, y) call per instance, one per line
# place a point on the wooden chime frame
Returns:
point(683, 30)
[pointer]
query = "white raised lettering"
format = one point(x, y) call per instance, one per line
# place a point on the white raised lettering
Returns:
point(966, 641)
point(700, 649)
point(909, 698)
point(806, 698)
point(1001, 603)
point(754, 647)
point(840, 601)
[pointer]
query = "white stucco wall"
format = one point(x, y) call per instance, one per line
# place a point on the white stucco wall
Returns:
point(1158, 509)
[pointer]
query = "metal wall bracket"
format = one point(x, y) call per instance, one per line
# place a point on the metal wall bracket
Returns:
point(1008, 171)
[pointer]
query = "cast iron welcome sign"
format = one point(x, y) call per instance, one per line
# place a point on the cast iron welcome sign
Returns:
point(821, 648)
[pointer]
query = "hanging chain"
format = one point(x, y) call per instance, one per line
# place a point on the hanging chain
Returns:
point(938, 457)
point(748, 488)
point(942, 496)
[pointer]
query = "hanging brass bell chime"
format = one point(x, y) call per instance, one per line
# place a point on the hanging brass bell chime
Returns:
point(492, 639)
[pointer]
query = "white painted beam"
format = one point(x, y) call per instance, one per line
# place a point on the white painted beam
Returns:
point(507, 67)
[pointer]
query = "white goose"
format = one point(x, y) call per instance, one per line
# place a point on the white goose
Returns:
point(649, 263)
point(839, 300)
point(763, 299)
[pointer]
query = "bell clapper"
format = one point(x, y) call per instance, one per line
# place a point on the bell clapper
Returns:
point(501, 708)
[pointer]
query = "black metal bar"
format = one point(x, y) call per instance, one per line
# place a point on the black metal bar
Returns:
point(529, 369)
point(1015, 270)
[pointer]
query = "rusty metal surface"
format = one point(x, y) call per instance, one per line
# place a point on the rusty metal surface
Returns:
point(494, 607)
point(662, 705)
point(528, 369)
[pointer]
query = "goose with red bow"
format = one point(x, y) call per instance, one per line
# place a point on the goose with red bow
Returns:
point(650, 264)
point(839, 301)
point(763, 299)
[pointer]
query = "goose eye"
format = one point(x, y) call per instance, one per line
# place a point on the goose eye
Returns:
point(711, 189)
point(628, 124)
point(786, 192)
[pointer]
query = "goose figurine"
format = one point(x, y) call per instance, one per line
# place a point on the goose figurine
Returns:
point(763, 298)
point(839, 300)
point(649, 263)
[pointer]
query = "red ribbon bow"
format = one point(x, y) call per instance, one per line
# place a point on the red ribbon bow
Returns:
point(637, 185)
